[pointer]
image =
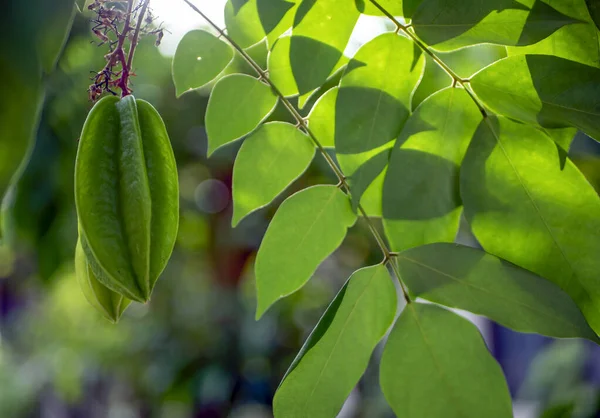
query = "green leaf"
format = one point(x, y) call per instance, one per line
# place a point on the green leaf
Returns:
point(594, 9)
point(541, 89)
point(421, 202)
point(579, 42)
point(276, 16)
point(269, 160)
point(320, 34)
point(41, 28)
point(436, 365)
point(394, 7)
point(464, 62)
point(337, 352)
point(200, 57)
point(307, 227)
point(467, 278)
point(366, 113)
point(237, 105)
point(522, 206)
point(243, 23)
point(451, 24)
point(280, 70)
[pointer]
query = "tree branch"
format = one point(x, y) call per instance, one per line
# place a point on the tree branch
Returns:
point(388, 255)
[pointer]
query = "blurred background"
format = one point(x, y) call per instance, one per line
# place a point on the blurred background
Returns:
point(195, 350)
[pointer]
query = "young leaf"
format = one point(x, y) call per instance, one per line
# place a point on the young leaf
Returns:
point(269, 160)
point(307, 227)
point(579, 42)
point(243, 23)
point(421, 202)
point(200, 57)
point(541, 89)
point(468, 278)
point(337, 352)
point(319, 36)
point(522, 206)
point(436, 365)
point(451, 24)
point(237, 105)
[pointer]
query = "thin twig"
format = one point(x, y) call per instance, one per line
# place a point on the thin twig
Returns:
point(136, 34)
point(388, 256)
point(455, 78)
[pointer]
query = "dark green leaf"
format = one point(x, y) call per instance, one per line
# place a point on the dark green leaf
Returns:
point(451, 24)
point(522, 206)
point(544, 90)
point(467, 278)
point(337, 352)
point(200, 58)
point(237, 105)
point(269, 160)
point(436, 365)
point(594, 9)
point(421, 202)
point(307, 227)
point(34, 33)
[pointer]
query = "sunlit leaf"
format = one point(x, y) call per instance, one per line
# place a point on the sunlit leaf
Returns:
point(436, 365)
point(421, 201)
point(338, 350)
point(579, 42)
point(237, 105)
point(524, 207)
point(269, 160)
point(451, 24)
point(541, 89)
point(243, 23)
point(307, 227)
point(394, 7)
point(276, 16)
point(200, 57)
point(464, 62)
point(470, 279)
point(366, 113)
point(319, 36)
